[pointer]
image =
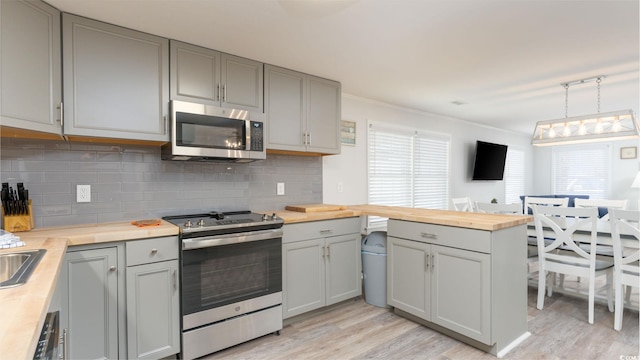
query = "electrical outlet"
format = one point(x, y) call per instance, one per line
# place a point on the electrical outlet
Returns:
point(280, 189)
point(83, 193)
point(340, 187)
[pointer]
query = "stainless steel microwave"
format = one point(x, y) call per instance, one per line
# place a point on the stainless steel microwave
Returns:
point(209, 133)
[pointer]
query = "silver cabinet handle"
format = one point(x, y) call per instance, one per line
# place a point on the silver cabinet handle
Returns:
point(433, 261)
point(325, 231)
point(154, 251)
point(324, 252)
point(65, 346)
point(224, 93)
point(426, 262)
point(112, 268)
point(61, 120)
point(428, 235)
point(175, 279)
point(328, 251)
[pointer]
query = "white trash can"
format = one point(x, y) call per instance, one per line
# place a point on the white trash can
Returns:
point(374, 268)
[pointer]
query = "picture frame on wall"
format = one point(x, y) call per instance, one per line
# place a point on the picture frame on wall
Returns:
point(629, 152)
point(348, 132)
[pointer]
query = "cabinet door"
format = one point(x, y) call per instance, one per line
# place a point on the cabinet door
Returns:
point(343, 278)
point(195, 74)
point(323, 116)
point(304, 277)
point(242, 83)
point(30, 77)
point(153, 320)
point(116, 81)
point(90, 303)
point(460, 292)
point(285, 108)
point(408, 276)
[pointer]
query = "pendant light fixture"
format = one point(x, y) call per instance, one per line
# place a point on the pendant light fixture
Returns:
point(615, 125)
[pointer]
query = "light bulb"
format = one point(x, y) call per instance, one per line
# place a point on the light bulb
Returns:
point(567, 130)
point(616, 124)
point(582, 130)
point(598, 128)
point(552, 132)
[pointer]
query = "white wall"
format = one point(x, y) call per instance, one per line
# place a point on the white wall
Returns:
point(623, 172)
point(350, 167)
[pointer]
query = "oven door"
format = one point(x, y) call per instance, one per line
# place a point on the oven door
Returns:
point(230, 272)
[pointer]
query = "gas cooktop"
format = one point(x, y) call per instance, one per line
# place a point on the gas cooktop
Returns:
point(224, 222)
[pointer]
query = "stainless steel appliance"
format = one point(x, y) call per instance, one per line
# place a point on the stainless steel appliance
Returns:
point(49, 340)
point(204, 133)
point(231, 279)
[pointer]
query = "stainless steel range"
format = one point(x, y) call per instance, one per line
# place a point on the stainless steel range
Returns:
point(231, 279)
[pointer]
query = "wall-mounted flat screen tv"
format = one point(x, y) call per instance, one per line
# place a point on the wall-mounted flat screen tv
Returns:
point(489, 161)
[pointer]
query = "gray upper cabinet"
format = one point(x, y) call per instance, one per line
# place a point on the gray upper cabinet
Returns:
point(116, 81)
point(303, 112)
point(30, 76)
point(214, 78)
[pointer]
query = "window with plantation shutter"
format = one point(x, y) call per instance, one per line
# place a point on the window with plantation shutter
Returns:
point(582, 170)
point(406, 167)
point(514, 176)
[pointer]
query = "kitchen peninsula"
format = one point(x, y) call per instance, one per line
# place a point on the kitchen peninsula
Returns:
point(463, 274)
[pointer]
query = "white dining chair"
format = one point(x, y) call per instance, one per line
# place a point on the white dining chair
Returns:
point(626, 271)
point(491, 208)
point(531, 200)
point(573, 260)
point(462, 204)
point(599, 203)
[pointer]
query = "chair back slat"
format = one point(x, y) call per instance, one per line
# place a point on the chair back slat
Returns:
point(625, 223)
point(491, 208)
point(555, 219)
point(532, 200)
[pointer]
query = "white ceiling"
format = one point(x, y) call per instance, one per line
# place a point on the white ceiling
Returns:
point(505, 60)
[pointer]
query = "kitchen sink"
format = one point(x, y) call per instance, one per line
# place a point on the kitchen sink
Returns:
point(16, 267)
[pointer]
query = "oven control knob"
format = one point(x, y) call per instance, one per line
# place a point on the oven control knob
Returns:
point(274, 216)
point(265, 217)
point(188, 224)
point(201, 222)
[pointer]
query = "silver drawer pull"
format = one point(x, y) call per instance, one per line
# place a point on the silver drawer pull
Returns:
point(325, 231)
point(154, 251)
point(112, 268)
point(428, 235)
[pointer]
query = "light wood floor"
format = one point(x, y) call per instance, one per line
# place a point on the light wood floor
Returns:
point(357, 330)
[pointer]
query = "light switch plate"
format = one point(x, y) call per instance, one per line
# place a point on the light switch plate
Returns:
point(83, 193)
point(280, 189)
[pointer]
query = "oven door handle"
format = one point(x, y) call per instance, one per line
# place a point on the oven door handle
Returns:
point(217, 240)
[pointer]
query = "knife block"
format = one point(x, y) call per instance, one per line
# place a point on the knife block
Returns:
point(16, 223)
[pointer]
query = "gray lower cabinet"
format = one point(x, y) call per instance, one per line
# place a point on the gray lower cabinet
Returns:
point(321, 264)
point(469, 282)
point(90, 283)
point(447, 286)
point(121, 300)
point(153, 309)
point(210, 77)
point(31, 71)
point(303, 112)
point(116, 81)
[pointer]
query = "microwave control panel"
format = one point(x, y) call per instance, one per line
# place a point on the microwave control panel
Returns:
point(257, 136)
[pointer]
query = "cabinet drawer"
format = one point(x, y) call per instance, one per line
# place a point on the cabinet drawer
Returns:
point(462, 238)
point(152, 250)
point(320, 229)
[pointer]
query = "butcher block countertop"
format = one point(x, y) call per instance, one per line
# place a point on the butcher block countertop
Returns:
point(23, 308)
point(478, 221)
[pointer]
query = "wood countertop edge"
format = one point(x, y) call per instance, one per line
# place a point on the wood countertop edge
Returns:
point(20, 328)
point(478, 221)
